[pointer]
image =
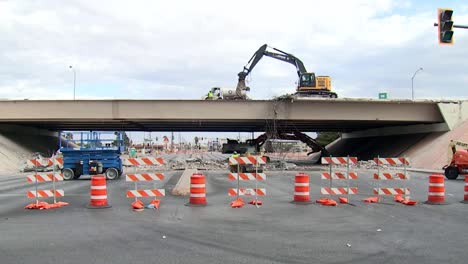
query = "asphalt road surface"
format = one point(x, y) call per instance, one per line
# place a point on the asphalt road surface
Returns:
point(277, 232)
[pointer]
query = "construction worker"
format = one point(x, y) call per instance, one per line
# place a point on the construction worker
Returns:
point(233, 168)
point(210, 95)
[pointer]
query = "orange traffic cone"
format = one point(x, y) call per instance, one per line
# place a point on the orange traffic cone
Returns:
point(98, 193)
point(398, 198)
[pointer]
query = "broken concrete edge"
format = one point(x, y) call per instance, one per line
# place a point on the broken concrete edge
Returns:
point(182, 186)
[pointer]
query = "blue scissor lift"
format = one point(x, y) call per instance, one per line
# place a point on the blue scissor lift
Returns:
point(92, 153)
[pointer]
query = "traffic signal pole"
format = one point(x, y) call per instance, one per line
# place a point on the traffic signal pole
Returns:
point(455, 26)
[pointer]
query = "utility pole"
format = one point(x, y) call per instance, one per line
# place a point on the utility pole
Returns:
point(74, 81)
point(412, 82)
point(172, 141)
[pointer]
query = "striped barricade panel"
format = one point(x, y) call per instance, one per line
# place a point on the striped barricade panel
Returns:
point(391, 161)
point(247, 176)
point(58, 161)
point(40, 162)
point(144, 177)
point(146, 193)
point(260, 160)
point(338, 190)
point(339, 176)
point(391, 176)
point(145, 161)
point(391, 191)
point(339, 160)
point(45, 193)
point(44, 177)
point(247, 191)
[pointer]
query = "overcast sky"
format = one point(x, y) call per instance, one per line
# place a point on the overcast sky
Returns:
point(180, 49)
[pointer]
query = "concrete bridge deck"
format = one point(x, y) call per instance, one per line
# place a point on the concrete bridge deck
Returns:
point(345, 115)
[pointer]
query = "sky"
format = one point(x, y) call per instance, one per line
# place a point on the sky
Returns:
point(180, 49)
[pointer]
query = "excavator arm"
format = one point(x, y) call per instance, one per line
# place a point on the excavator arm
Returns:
point(279, 55)
point(296, 135)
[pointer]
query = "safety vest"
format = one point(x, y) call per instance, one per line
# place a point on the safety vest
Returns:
point(210, 94)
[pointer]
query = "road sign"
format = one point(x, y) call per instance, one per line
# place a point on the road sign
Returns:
point(382, 95)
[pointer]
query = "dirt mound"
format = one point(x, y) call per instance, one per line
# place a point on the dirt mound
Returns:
point(16, 148)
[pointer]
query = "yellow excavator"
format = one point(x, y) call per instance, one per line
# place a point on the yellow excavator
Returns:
point(309, 85)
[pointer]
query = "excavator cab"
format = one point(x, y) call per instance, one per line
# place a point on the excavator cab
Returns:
point(308, 81)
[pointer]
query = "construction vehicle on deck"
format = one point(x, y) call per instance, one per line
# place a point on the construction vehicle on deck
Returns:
point(309, 85)
point(92, 153)
point(219, 93)
point(457, 159)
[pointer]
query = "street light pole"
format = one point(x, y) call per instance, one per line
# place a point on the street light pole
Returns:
point(74, 81)
point(412, 82)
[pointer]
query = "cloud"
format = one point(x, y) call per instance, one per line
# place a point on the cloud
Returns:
point(179, 49)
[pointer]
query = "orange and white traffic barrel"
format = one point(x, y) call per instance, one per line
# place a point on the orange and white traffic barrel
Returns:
point(436, 193)
point(465, 196)
point(301, 188)
point(98, 192)
point(197, 190)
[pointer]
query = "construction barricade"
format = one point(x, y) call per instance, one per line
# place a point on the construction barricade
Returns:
point(197, 190)
point(98, 193)
point(301, 189)
point(465, 193)
point(137, 177)
point(436, 190)
point(255, 164)
point(37, 178)
point(334, 174)
point(396, 172)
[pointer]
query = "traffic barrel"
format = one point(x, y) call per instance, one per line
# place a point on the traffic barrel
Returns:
point(197, 190)
point(436, 193)
point(98, 192)
point(465, 197)
point(301, 188)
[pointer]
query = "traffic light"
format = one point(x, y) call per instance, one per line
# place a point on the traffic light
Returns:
point(445, 26)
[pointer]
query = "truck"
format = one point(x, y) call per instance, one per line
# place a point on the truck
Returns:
point(220, 93)
point(91, 153)
point(457, 160)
